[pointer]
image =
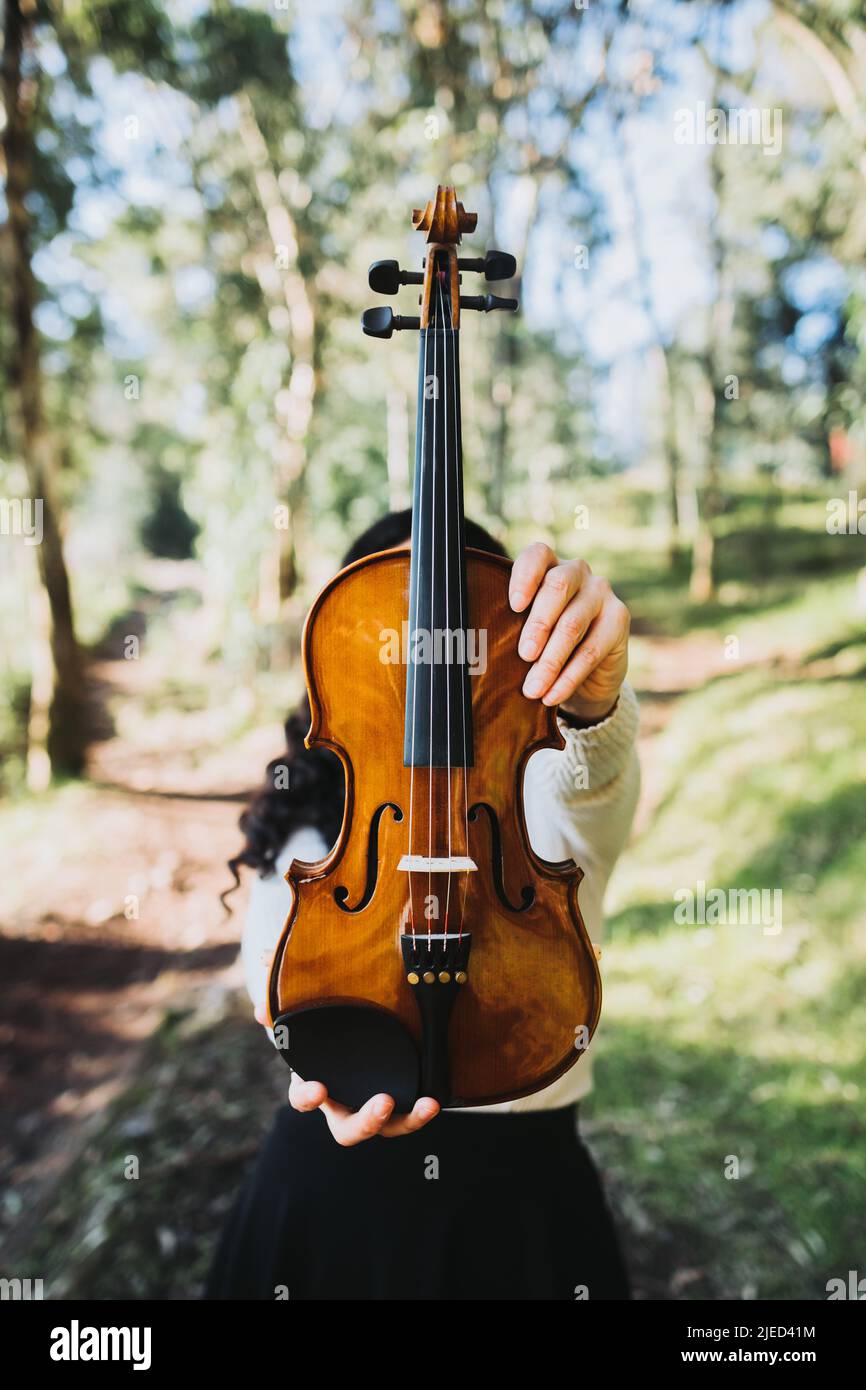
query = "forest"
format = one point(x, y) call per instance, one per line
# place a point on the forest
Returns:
point(193, 428)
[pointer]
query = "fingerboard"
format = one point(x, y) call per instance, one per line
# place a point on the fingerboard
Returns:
point(438, 725)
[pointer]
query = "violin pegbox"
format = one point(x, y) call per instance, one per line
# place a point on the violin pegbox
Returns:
point(444, 220)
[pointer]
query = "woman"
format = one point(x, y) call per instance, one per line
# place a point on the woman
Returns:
point(501, 1202)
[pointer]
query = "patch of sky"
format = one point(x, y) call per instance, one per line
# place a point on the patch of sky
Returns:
point(194, 287)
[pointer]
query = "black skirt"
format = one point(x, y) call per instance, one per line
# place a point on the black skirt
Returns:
point(474, 1206)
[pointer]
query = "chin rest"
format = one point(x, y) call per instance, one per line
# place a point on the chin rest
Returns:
point(355, 1050)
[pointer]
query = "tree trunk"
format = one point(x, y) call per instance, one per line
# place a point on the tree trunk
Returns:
point(842, 90)
point(672, 458)
point(643, 285)
point(505, 358)
point(702, 584)
point(66, 734)
point(294, 403)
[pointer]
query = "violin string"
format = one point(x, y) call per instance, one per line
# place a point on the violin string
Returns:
point(413, 637)
point(431, 643)
point(465, 635)
point(446, 331)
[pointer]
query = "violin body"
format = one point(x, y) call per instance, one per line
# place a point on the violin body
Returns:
point(432, 952)
point(533, 993)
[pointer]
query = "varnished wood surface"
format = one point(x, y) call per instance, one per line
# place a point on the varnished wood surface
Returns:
point(533, 977)
point(444, 219)
point(453, 275)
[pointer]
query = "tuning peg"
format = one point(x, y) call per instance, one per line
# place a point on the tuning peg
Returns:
point(486, 302)
point(386, 277)
point(497, 265)
point(381, 322)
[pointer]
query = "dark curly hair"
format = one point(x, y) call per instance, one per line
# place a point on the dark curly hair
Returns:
point(305, 787)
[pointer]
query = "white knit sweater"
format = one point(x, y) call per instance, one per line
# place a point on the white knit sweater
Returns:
point(579, 804)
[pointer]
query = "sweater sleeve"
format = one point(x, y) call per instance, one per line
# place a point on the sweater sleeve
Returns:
point(268, 909)
point(580, 800)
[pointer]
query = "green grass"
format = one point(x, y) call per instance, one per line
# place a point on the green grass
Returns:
point(721, 1040)
point(770, 551)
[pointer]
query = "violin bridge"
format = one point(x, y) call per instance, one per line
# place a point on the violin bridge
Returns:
point(441, 864)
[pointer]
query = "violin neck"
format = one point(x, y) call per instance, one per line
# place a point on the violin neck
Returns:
point(438, 728)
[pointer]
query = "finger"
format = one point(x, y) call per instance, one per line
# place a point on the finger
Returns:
point(567, 633)
point(601, 637)
point(306, 1095)
point(353, 1127)
point(260, 1013)
point(422, 1112)
point(558, 588)
point(527, 573)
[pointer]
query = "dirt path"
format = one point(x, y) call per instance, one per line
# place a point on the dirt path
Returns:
point(112, 917)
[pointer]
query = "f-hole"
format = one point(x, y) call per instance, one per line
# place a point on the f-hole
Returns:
point(527, 893)
point(341, 893)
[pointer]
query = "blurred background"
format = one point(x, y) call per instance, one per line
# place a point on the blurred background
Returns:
point(193, 192)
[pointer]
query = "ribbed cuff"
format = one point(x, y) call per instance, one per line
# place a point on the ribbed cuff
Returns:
point(593, 757)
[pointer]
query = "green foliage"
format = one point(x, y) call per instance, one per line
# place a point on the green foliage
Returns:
point(231, 50)
point(725, 1041)
point(135, 35)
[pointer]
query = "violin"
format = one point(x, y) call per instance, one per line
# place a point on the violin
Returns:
point(432, 952)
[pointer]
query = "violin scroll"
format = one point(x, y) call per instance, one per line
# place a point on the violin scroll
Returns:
point(444, 219)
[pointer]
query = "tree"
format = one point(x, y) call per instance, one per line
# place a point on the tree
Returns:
point(60, 732)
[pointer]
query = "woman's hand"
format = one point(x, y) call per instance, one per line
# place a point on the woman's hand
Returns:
point(353, 1126)
point(576, 634)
